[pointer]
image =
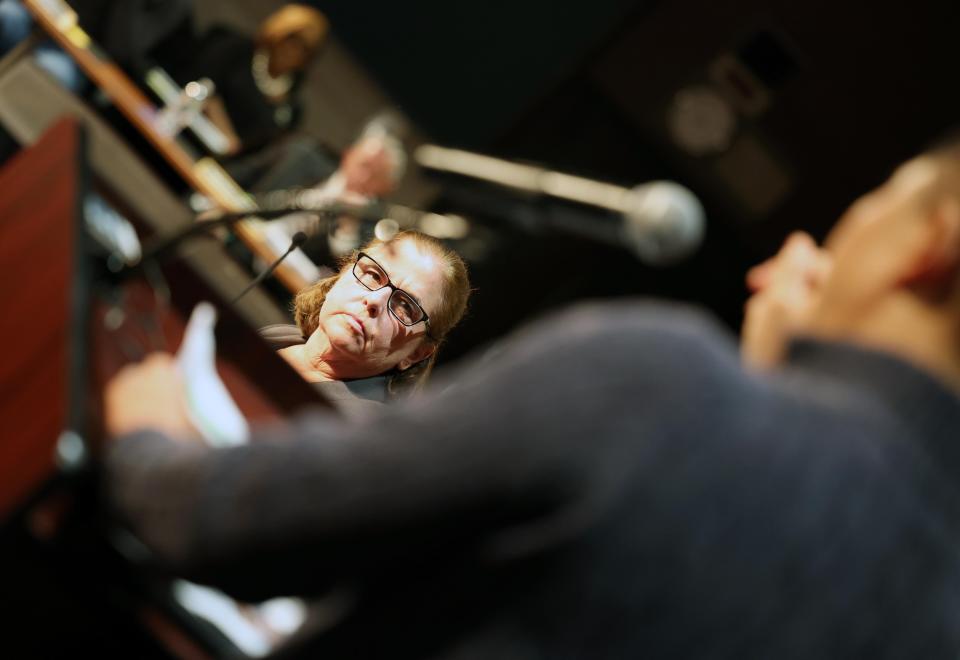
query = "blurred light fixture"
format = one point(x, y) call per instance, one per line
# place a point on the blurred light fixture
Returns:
point(701, 121)
point(446, 226)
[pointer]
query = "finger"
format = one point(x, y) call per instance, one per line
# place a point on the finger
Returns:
point(798, 261)
point(159, 357)
point(799, 240)
point(159, 363)
point(822, 268)
point(758, 277)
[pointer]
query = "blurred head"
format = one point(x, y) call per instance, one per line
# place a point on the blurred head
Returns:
point(291, 35)
point(373, 165)
point(896, 253)
point(362, 332)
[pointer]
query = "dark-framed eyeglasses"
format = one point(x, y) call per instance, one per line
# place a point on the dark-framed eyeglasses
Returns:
point(401, 304)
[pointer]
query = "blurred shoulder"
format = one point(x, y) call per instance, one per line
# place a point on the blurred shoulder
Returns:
point(633, 344)
point(631, 327)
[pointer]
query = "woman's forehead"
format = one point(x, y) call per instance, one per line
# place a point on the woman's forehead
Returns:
point(408, 265)
point(403, 254)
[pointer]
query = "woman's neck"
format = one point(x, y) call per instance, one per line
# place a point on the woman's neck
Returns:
point(311, 366)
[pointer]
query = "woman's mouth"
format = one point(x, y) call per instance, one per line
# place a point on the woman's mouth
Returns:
point(356, 324)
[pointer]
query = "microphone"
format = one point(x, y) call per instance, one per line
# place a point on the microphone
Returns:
point(298, 239)
point(662, 221)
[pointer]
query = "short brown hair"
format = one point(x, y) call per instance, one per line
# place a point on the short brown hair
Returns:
point(453, 304)
point(302, 21)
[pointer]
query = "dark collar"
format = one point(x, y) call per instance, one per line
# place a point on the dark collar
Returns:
point(373, 388)
point(925, 404)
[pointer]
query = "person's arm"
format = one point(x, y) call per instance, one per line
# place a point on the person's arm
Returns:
point(296, 506)
point(514, 459)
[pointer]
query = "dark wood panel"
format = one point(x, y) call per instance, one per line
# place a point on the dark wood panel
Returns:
point(37, 219)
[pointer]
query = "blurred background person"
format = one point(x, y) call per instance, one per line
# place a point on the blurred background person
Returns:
point(370, 169)
point(257, 79)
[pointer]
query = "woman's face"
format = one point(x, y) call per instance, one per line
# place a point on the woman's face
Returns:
point(364, 337)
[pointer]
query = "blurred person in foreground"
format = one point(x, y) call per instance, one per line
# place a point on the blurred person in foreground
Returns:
point(617, 484)
point(372, 330)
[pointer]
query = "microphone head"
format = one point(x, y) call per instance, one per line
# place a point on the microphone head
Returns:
point(298, 239)
point(664, 222)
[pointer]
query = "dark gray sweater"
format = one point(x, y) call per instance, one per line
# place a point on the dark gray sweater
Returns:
point(614, 486)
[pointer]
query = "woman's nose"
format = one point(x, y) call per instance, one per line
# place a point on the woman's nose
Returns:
point(376, 301)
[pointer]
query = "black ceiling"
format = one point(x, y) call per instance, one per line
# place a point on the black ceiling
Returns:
point(837, 94)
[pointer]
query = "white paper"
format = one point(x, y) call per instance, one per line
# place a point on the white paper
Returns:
point(209, 405)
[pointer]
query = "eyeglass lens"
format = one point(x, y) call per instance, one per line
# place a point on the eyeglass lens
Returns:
point(401, 303)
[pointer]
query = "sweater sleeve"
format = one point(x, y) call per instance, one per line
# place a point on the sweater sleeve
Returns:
point(510, 458)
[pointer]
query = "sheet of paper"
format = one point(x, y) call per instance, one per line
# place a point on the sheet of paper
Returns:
point(211, 408)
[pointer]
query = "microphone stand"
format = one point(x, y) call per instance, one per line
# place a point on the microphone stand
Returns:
point(162, 244)
point(298, 239)
point(157, 247)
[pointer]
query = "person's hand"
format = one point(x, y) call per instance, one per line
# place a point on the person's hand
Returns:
point(148, 395)
point(785, 291)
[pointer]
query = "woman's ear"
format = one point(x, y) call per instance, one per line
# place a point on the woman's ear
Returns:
point(420, 353)
point(939, 258)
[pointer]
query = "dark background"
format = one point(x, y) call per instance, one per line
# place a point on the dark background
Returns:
point(850, 88)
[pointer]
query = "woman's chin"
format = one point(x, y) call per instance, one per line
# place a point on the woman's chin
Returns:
point(346, 343)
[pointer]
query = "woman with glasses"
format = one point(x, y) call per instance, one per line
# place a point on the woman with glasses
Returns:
point(373, 329)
